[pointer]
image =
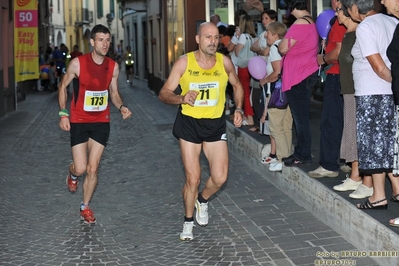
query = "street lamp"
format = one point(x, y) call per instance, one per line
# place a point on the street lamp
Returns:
point(110, 17)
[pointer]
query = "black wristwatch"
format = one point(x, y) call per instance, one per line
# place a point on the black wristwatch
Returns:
point(120, 108)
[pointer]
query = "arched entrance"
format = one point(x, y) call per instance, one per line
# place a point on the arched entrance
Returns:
point(58, 39)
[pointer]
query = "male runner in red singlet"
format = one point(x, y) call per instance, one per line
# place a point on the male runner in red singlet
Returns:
point(95, 83)
point(200, 123)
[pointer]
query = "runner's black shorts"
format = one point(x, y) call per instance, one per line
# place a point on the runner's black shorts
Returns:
point(81, 132)
point(127, 67)
point(199, 130)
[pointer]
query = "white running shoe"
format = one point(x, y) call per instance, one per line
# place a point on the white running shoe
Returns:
point(347, 184)
point(201, 215)
point(362, 192)
point(187, 233)
point(276, 167)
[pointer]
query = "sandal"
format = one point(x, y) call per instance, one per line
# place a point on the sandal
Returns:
point(395, 199)
point(254, 129)
point(395, 222)
point(370, 205)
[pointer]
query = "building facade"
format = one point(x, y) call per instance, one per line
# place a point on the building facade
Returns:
point(57, 23)
point(135, 27)
point(167, 28)
point(7, 80)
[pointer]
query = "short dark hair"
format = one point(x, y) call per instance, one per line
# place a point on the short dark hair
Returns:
point(98, 29)
point(344, 9)
point(231, 30)
point(298, 4)
point(271, 13)
point(222, 29)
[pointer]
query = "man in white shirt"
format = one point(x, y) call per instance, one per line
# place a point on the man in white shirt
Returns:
point(215, 19)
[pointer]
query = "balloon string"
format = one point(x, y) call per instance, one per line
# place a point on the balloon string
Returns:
point(322, 51)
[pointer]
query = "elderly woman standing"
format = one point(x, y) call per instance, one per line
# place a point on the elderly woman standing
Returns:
point(300, 47)
point(375, 112)
point(353, 181)
point(393, 55)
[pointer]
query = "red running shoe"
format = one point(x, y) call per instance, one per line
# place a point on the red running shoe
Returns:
point(71, 184)
point(87, 215)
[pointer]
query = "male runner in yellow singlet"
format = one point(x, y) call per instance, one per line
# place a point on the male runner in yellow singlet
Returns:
point(200, 122)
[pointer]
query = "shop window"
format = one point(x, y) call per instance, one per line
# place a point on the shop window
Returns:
point(175, 12)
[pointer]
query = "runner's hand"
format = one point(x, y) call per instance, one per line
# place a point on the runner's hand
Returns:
point(189, 97)
point(238, 118)
point(125, 112)
point(64, 124)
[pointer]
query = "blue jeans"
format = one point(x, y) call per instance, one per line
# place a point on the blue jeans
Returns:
point(331, 124)
point(299, 102)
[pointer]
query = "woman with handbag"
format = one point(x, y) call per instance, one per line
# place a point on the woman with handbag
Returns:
point(280, 120)
point(300, 47)
point(245, 33)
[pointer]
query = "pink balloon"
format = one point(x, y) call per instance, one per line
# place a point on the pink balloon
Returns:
point(257, 67)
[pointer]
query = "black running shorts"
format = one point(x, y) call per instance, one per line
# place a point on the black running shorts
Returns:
point(199, 130)
point(127, 67)
point(81, 132)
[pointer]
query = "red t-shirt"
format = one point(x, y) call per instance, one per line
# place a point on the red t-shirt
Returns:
point(90, 100)
point(335, 35)
point(75, 54)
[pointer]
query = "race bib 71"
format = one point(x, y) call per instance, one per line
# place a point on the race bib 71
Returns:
point(208, 93)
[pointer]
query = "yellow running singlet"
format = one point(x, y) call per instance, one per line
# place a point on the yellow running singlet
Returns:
point(211, 85)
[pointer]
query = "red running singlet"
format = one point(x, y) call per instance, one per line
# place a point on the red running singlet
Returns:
point(91, 98)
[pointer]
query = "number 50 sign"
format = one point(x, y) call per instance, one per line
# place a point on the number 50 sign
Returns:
point(25, 18)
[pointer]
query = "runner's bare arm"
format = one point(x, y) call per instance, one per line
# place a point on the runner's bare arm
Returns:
point(237, 88)
point(167, 94)
point(115, 96)
point(72, 72)
point(234, 81)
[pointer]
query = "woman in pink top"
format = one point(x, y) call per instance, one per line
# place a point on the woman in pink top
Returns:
point(300, 47)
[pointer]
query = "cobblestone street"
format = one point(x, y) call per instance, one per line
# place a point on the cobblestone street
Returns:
point(138, 202)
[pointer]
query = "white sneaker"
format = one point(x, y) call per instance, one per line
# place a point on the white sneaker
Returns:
point(362, 192)
point(201, 215)
point(276, 167)
point(268, 160)
point(231, 103)
point(345, 168)
point(321, 172)
point(347, 184)
point(187, 233)
point(227, 112)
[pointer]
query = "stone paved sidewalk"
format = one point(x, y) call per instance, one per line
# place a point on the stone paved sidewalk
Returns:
point(138, 202)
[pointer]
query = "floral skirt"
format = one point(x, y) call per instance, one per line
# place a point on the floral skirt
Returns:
point(375, 126)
